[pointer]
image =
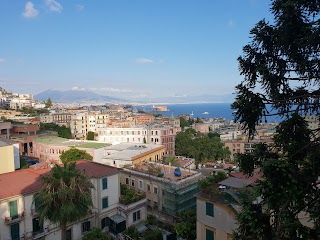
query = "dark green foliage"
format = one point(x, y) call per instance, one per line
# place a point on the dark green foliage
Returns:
point(132, 232)
point(213, 135)
point(48, 103)
point(281, 68)
point(200, 147)
point(153, 235)
point(33, 112)
point(90, 135)
point(186, 226)
point(184, 123)
point(74, 154)
point(23, 163)
point(207, 183)
point(96, 234)
point(129, 196)
point(65, 196)
point(62, 131)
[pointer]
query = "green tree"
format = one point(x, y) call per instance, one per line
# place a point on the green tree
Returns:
point(96, 234)
point(184, 123)
point(65, 196)
point(281, 72)
point(48, 103)
point(74, 154)
point(90, 135)
point(153, 235)
point(62, 131)
point(186, 226)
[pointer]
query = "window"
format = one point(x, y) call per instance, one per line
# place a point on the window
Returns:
point(69, 234)
point(104, 222)
point(140, 184)
point(15, 231)
point(209, 209)
point(148, 187)
point(104, 183)
point(132, 183)
point(105, 202)
point(86, 226)
point(13, 205)
point(37, 227)
point(155, 190)
point(209, 235)
point(127, 181)
point(136, 216)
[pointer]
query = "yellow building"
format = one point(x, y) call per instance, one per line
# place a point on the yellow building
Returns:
point(9, 156)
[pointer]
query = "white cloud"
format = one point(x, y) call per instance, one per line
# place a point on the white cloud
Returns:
point(78, 89)
point(2, 60)
point(30, 11)
point(144, 60)
point(54, 6)
point(79, 7)
point(111, 90)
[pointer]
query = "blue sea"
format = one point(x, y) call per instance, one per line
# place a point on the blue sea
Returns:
point(215, 110)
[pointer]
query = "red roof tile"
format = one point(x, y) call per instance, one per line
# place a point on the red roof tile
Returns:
point(29, 180)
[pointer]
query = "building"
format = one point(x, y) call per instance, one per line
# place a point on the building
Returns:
point(128, 154)
point(201, 127)
point(78, 125)
point(167, 194)
point(18, 212)
point(217, 209)
point(24, 134)
point(9, 156)
point(243, 146)
point(61, 119)
point(5, 129)
point(143, 119)
point(155, 134)
point(49, 148)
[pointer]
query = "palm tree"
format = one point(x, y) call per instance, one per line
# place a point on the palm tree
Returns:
point(65, 196)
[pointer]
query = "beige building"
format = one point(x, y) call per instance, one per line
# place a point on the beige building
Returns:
point(19, 214)
point(9, 156)
point(128, 154)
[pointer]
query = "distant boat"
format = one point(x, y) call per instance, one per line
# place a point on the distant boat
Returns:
point(191, 114)
point(205, 113)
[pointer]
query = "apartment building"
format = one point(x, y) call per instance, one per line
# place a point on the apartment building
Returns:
point(9, 155)
point(78, 125)
point(156, 134)
point(16, 100)
point(143, 119)
point(5, 129)
point(129, 154)
point(19, 213)
point(24, 134)
point(61, 119)
point(167, 194)
point(49, 148)
point(243, 146)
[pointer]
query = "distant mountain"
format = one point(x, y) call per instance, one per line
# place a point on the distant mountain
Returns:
point(72, 96)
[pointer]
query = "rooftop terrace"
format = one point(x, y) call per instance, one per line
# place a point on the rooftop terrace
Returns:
point(58, 141)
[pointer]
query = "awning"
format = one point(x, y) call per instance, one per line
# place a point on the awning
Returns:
point(117, 218)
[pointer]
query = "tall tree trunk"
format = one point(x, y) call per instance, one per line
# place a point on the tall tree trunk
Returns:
point(63, 227)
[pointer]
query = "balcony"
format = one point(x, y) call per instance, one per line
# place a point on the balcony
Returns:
point(14, 219)
point(41, 233)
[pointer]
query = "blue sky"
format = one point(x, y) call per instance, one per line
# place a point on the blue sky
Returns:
point(131, 48)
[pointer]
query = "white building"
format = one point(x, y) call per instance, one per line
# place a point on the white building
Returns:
point(156, 134)
point(19, 213)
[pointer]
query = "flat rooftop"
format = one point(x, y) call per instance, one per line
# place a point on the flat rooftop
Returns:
point(168, 171)
point(126, 151)
point(58, 141)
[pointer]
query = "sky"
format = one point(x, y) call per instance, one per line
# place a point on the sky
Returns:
point(126, 48)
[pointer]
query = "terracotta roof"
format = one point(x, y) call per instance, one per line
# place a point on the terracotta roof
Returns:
point(29, 180)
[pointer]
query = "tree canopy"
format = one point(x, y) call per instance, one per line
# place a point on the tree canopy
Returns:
point(90, 135)
point(96, 234)
point(62, 131)
point(281, 70)
point(186, 226)
point(48, 103)
point(65, 196)
point(199, 146)
point(74, 154)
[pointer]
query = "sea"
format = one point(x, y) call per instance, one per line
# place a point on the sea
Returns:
point(201, 110)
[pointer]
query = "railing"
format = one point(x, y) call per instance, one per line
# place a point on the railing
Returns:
point(40, 233)
point(14, 219)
